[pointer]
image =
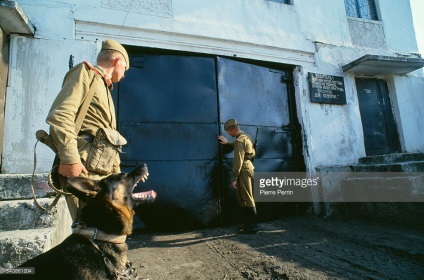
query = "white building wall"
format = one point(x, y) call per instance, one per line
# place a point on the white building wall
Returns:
point(323, 21)
point(35, 77)
point(398, 26)
point(410, 99)
point(312, 35)
point(417, 7)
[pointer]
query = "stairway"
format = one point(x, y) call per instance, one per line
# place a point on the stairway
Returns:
point(26, 231)
point(388, 187)
point(386, 178)
point(401, 162)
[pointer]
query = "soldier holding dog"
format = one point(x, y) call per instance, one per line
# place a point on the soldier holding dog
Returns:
point(242, 173)
point(76, 147)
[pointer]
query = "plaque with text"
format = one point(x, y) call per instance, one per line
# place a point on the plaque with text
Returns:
point(327, 89)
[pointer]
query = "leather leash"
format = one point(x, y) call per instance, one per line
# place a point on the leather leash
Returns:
point(58, 192)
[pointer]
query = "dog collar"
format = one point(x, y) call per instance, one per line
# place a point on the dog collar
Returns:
point(95, 234)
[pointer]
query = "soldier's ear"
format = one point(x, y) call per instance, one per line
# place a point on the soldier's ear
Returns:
point(115, 61)
point(83, 188)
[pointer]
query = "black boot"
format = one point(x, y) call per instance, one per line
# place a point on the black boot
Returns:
point(250, 227)
point(245, 214)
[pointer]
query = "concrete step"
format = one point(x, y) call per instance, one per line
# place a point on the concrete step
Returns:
point(24, 214)
point(383, 187)
point(412, 166)
point(19, 245)
point(18, 186)
point(386, 187)
point(392, 158)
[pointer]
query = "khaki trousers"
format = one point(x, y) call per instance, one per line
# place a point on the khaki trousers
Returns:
point(245, 188)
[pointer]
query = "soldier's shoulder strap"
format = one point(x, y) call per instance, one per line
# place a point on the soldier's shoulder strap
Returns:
point(82, 111)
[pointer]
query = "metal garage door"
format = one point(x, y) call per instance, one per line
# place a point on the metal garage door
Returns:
point(258, 97)
point(171, 108)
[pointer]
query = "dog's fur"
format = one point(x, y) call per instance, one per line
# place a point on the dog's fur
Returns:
point(109, 208)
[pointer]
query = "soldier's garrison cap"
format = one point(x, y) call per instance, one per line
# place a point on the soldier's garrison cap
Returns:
point(113, 45)
point(229, 123)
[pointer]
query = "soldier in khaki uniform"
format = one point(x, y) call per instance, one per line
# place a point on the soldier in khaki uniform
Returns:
point(73, 149)
point(243, 173)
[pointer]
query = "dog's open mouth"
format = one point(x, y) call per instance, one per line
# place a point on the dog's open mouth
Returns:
point(143, 197)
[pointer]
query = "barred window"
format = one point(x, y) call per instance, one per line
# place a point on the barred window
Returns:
point(281, 1)
point(361, 9)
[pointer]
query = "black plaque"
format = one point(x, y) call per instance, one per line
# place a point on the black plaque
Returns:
point(326, 89)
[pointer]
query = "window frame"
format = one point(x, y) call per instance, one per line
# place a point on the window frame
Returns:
point(371, 6)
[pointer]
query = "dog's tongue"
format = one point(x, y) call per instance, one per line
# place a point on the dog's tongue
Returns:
point(145, 197)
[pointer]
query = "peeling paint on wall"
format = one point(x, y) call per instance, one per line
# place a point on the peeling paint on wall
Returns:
point(161, 8)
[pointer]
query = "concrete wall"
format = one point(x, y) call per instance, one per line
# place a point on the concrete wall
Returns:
point(36, 74)
point(398, 26)
point(410, 97)
point(417, 7)
point(312, 35)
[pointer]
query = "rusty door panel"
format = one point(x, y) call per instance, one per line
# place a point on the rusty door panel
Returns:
point(169, 88)
point(253, 94)
point(167, 112)
point(169, 141)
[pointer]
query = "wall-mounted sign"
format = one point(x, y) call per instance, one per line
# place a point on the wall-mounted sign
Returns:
point(326, 89)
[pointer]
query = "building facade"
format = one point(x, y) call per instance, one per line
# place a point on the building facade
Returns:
point(327, 83)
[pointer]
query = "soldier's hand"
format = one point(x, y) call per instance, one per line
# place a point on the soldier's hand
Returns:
point(234, 185)
point(222, 140)
point(72, 170)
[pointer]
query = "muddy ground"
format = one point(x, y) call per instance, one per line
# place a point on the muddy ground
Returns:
point(287, 248)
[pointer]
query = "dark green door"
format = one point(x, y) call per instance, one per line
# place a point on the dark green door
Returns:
point(379, 126)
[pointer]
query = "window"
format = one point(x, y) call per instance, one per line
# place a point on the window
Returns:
point(281, 1)
point(361, 9)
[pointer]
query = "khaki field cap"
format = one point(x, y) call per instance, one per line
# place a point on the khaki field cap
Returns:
point(229, 123)
point(113, 45)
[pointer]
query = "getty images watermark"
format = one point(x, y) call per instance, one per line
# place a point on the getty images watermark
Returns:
point(339, 187)
point(282, 187)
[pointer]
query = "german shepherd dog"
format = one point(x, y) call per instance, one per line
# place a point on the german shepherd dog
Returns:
point(97, 248)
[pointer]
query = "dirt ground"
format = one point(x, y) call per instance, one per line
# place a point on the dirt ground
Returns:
point(287, 248)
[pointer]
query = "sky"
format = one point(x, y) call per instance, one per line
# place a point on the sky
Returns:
point(417, 7)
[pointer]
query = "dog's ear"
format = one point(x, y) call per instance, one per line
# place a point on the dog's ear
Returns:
point(83, 187)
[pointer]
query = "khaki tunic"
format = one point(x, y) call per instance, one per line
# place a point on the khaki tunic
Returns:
point(243, 169)
point(243, 154)
point(62, 115)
